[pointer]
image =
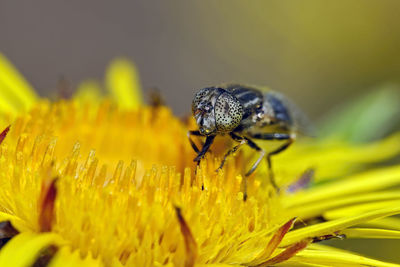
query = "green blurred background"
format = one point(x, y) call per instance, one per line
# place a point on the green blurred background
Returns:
point(320, 53)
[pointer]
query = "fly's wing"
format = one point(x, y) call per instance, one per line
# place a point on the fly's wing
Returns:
point(299, 121)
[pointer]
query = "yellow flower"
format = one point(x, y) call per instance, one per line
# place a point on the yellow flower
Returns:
point(111, 182)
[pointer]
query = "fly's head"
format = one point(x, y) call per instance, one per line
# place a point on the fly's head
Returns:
point(216, 111)
point(203, 110)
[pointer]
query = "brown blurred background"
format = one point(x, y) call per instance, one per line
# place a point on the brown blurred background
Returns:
point(317, 52)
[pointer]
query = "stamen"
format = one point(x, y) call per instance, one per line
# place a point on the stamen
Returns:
point(47, 199)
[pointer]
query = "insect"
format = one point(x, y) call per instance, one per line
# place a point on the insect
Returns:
point(245, 114)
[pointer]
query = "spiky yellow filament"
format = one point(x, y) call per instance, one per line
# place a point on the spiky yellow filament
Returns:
point(135, 202)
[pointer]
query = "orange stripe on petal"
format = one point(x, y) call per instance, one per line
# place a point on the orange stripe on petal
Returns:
point(4, 133)
point(47, 197)
point(287, 253)
point(273, 243)
point(190, 242)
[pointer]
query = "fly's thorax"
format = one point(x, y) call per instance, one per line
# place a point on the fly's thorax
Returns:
point(267, 111)
point(280, 108)
point(228, 113)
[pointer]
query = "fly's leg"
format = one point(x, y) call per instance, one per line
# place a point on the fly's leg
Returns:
point(195, 133)
point(258, 161)
point(200, 154)
point(206, 146)
point(245, 140)
point(254, 146)
point(232, 150)
point(274, 136)
point(278, 150)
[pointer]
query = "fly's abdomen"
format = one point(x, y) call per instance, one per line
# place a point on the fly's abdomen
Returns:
point(288, 115)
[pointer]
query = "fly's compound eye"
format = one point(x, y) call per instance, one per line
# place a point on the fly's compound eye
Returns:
point(228, 112)
point(199, 98)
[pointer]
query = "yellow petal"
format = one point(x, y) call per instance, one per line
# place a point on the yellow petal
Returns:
point(16, 222)
point(336, 258)
point(123, 83)
point(23, 249)
point(332, 160)
point(7, 105)
point(88, 92)
point(321, 247)
point(386, 223)
point(335, 225)
point(319, 207)
point(359, 209)
point(371, 233)
point(15, 92)
point(218, 265)
point(364, 182)
point(301, 264)
point(65, 257)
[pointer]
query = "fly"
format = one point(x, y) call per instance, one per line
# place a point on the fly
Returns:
point(245, 114)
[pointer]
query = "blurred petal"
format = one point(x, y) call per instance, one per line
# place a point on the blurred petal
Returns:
point(123, 83)
point(88, 92)
point(15, 92)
